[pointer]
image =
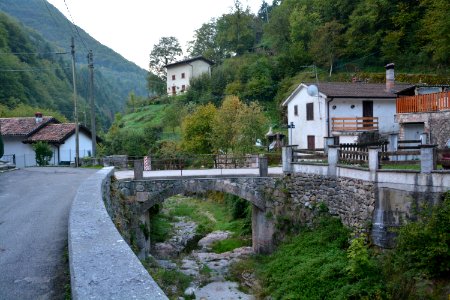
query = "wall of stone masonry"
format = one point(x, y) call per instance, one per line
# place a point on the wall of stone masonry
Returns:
point(436, 124)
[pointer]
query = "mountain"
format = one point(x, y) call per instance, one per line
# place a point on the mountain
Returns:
point(115, 76)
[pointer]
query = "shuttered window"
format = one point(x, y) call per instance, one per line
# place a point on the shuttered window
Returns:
point(309, 111)
point(295, 110)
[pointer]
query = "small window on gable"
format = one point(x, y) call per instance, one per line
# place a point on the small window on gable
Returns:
point(309, 111)
point(295, 110)
point(173, 77)
point(183, 75)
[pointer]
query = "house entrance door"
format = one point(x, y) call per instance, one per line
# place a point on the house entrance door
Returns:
point(368, 112)
point(311, 142)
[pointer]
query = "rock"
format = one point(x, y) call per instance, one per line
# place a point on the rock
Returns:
point(190, 291)
point(164, 250)
point(166, 264)
point(209, 239)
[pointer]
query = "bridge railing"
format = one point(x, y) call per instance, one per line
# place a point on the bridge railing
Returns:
point(206, 161)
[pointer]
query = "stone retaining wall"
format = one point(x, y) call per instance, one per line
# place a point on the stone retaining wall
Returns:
point(352, 200)
point(102, 266)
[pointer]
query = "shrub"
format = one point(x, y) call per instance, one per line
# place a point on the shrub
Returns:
point(43, 153)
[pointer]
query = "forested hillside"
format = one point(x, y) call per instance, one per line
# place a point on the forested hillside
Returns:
point(115, 76)
point(263, 57)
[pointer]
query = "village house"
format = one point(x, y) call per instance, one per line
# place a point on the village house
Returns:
point(342, 111)
point(424, 110)
point(20, 133)
point(180, 73)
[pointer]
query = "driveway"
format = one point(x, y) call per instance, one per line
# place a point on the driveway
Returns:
point(34, 211)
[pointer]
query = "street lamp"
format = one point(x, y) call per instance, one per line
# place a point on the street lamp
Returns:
point(291, 126)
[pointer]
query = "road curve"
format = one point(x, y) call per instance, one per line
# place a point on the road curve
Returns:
point(34, 211)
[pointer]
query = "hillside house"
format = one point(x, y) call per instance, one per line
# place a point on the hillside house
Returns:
point(180, 73)
point(20, 133)
point(424, 109)
point(342, 111)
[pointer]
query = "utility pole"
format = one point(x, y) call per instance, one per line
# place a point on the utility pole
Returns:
point(91, 99)
point(77, 146)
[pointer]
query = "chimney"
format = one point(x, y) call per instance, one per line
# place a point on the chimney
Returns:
point(390, 77)
point(38, 117)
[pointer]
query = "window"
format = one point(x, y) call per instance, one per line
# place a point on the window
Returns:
point(295, 110)
point(174, 90)
point(182, 75)
point(183, 87)
point(173, 77)
point(309, 111)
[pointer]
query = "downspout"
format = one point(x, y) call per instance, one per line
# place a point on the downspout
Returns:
point(328, 116)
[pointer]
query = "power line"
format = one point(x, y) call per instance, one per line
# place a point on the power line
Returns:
point(76, 27)
point(31, 53)
point(49, 11)
point(32, 69)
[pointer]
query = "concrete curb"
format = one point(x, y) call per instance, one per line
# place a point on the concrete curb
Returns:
point(102, 265)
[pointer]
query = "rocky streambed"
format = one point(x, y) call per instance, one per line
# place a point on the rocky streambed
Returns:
point(188, 254)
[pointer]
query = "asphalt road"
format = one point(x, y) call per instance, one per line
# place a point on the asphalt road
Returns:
point(34, 212)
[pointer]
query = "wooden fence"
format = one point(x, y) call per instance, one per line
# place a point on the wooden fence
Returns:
point(317, 155)
point(358, 153)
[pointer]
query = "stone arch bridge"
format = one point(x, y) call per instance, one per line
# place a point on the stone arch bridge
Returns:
point(260, 191)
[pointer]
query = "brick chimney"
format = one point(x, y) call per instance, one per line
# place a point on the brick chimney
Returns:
point(38, 117)
point(390, 77)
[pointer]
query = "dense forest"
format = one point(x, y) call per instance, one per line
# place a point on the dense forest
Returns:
point(115, 77)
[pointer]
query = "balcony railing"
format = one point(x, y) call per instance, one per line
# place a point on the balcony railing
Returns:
point(355, 124)
point(424, 103)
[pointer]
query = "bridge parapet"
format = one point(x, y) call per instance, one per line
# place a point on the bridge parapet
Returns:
point(102, 265)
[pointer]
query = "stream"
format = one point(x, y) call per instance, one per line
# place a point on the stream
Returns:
point(185, 252)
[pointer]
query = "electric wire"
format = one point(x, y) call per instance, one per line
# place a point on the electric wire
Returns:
point(76, 27)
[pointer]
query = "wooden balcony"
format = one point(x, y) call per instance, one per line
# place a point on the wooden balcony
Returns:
point(424, 103)
point(355, 124)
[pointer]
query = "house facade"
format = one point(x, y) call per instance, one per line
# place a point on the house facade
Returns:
point(19, 134)
point(340, 110)
point(180, 73)
point(424, 110)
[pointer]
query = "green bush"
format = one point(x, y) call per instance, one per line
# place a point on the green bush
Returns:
point(420, 264)
point(315, 265)
point(43, 153)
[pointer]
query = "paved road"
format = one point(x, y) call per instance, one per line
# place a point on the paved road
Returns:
point(34, 211)
point(201, 172)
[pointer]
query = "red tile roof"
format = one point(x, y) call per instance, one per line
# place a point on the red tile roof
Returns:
point(23, 126)
point(53, 133)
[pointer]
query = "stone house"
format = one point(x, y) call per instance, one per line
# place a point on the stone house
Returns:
point(424, 109)
point(341, 110)
point(180, 73)
point(20, 133)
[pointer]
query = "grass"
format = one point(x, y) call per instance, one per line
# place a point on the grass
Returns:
point(230, 244)
point(210, 215)
point(146, 116)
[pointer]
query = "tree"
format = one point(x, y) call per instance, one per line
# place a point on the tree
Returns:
point(327, 45)
point(163, 53)
point(205, 43)
point(43, 153)
point(224, 130)
point(235, 31)
point(435, 30)
point(250, 125)
point(196, 130)
point(155, 85)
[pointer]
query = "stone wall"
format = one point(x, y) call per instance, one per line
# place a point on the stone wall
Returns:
point(352, 200)
point(436, 124)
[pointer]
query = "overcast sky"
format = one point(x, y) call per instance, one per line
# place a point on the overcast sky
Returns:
point(132, 27)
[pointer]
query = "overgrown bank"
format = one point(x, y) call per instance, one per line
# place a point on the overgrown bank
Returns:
point(321, 263)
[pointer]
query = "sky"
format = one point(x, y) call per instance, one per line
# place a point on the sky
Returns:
point(132, 27)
